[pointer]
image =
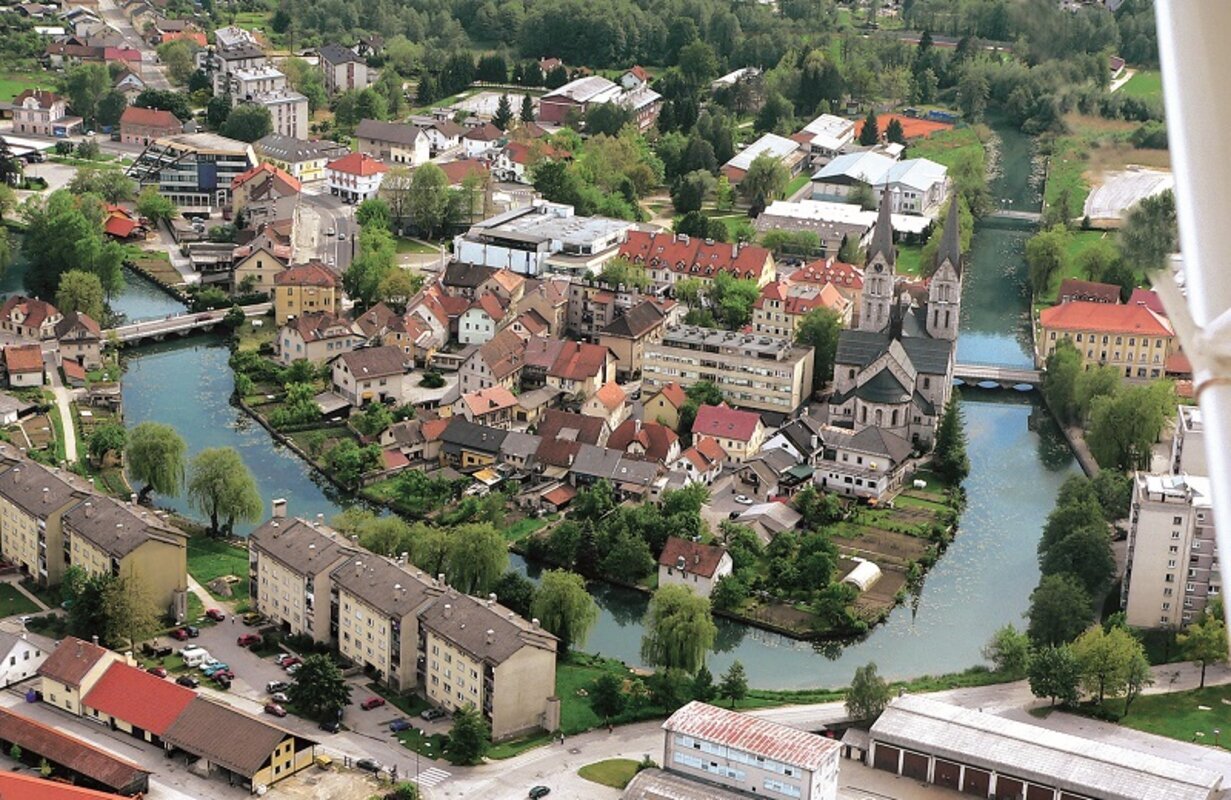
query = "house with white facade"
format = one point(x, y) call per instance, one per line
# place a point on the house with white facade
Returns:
point(698, 566)
point(916, 186)
point(355, 177)
point(20, 658)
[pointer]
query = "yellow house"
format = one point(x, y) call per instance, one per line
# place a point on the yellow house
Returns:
point(664, 405)
point(305, 289)
point(1132, 338)
point(105, 537)
point(71, 671)
point(478, 653)
point(255, 271)
point(33, 500)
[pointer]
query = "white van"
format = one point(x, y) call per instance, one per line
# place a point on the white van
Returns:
point(194, 656)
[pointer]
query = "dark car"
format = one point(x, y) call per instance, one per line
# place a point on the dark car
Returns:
point(371, 703)
point(192, 630)
point(331, 726)
point(223, 683)
point(188, 680)
point(430, 714)
point(539, 791)
point(370, 764)
point(216, 615)
point(400, 724)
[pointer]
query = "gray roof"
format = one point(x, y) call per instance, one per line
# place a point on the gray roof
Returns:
point(337, 54)
point(373, 362)
point(520, 445)
point(636, 322)
point(461, 434)
point(395, 132)
point(117, 529)
point(883, 387)
point(882, 235)
point(391, 588)
point(240, 52)
point(488, 631)
point(292, 150)
point(635, 472)
point(10, 403)
point(228, 737)
point(951, 242)
point(303, 548)
point(598, 462)
point(466, 276)
point(406, 432)
point(23, 486)
point(1070, 763)
point(861, 348)
point(654, 784)
point(886, 443)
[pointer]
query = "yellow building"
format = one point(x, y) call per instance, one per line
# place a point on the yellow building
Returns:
point(33, 500)
point(1132, 338)
point(664, 405)
point(478, 653)
point(105, 537)
point(71, 671)
point(305, 289)
point(255, 271)
point(378, 606)
point(289, 566)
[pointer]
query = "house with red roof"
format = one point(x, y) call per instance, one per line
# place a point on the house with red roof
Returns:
point(1072, 289)
point(458, 171)
point(492, 407)
point(121, 224)
point(24, 365)
point(304, 289)
point(609, 404)
point(739, 433)
point(71, 759)
point(480, 321)
point(698, 566)
point(28, 786)
point(355, 177)
point(143, 125)
point(43, 112)
point(316, 337)
point(782, 306)
point(71, 671)
point(482, 140)
point(846, 278)
point(665, 404)
point(1133, 338)
point(515, 159)
point(645, 440)
point(671, 257)
point(701, 463)
point(29, 317)
point(134, 701)
point(263, 194)
point(581, 368)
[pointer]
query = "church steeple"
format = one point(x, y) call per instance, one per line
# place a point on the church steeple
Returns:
point(877, 297)
point(951, 242)
point(945, 288)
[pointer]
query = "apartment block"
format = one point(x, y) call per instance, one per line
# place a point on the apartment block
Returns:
point(1133, 338)
point(765, 373)
point(1188, 446)
point(1172, 569)
point(193, 170)
point(33, 500)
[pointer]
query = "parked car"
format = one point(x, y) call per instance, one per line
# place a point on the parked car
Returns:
point(180, 635)
point(331, 726)
point(275, 709)
point(539, 791)
point(281, 658)
point(371, 703)
point(330, 232)
point(210, 669)
point(223, 675)
point(279, 697)
point(430, 714)
point(400, 724)
point(159, 671)
point(341, 236)
point(151, 649)
point(188, 680)
point(287, 663)
point(248, 640)
point(293, 668)
point(273, 687)
point(192, 630)
point(743, 499)
point(223, 683)
point(252, 618)
point(369, 764)
point(215, 614)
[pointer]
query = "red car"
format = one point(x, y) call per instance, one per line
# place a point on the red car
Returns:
point(216, 615)
point(159, 671)
point(179, 634)
point(275, 709)
point(223, 675)
point(371, 703)
point(249, 640)
point(292, 661)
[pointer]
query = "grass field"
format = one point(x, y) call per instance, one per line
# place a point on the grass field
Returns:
point(1065, 174)
point(13, 602)
point(614, 772)
point(908, 259)
point(1179, 715)
point(210, 558)
point(416, 246)
point(524, 527)
point(1077, 243)
point(797, 183)
point(948, 147)
point(12, 85)
point(1146, 84)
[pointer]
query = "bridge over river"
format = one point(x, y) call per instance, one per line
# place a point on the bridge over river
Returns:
point(178, 324)
point(989, 376)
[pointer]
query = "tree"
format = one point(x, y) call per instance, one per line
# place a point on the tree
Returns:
point(670, 688)
point(894, 132)
point(527, 109)
point(1047, 257)
point(868, 695)
point(373, 211)
point(1054, 673)
point(607, 118)
point(428, 199)
point(734, 685)
point(869, 134)
point(478, 556)
point(222, 487)
point(1060, 380)
point(690, 191)
point(1205, 639)
point(111, 108)
point(1149, 233)
point(88, 612)
point(320, 689)
point(469, 738)
point(819, 329)
point(155, 456)
point(698, 63)
point(111, 185)
point(504, 113)
point(1008, 650)
point(248, 122)
point(516, 592)
point(377, 258)
point(130, 613)
point(85, 85)
point(1115, 493)
point(1106, 660)
point(217, 110)
point(348, 462)
point(178, 57)
point(703, 688)
point(82, 292)
point(153, 206)
point(564, 608)
point(1085, 554)
point(764, 181)
point(1124, 427)
point(1060, 609)
point(678, 629)
point(607, 696)
point(109, 438)
point(729, 594)
point(307, 80)
point(949, 458)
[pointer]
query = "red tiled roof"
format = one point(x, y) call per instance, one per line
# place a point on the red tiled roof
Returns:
point(727, 422)
point(1105, 318)
point(561, 495)
point(291, 184)
point(699, 460)
point(394, 459)
point(522, 153)
point(457, 171)
point(485, 401)
point(73, 369)
point(639, 72)
point(69, 662)
point(839, 273)
point(759, 737)
point(487, 132)
point(557, 452)
point(139, 698)
point(569, 427)
point(359, 164)
point(1150, 299)
point(699, 559)
point(119, 227)
point(490, 304)
point(122, 54)
point(58, 746)
point(674, 394)
point(14, 786)
point(692, 256)
point(433, 428)
point(151, 118)
point(711, 450)
point(35, 311)
point(1178, 364)
point(312, 273)
point(45, 98)
point(656, 440)
point(1074, 289)
point(611, 395)
point(24, 358)
point(579, 361)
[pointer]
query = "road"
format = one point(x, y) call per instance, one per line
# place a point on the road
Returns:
point(319, 213)
point(63, 400)
point(151, 70)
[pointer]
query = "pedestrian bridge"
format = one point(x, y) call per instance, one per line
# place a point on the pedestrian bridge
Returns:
point(177, 325)
point(1022, 216)
point(993, 376)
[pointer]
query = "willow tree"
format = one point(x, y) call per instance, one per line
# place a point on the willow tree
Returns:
point(155, 456)
point(679, 631)
point(222, 487)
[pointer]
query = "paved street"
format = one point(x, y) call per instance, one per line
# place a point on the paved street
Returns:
point(151, 70)
point(319, 213)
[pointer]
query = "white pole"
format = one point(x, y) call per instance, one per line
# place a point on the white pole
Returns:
point(1196, 63)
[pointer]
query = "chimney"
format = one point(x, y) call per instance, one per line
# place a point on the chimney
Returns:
point(94, 639)
point(358, 568)
point(680, 563)
point(491, 600)
point(279, 508)
point(491, 635)
point(535, 622)
point(448, 610)
point(406, 557)
point(440, 579)
point(46, 495)
point(696, 558)
point(132, 499)
point(320, 518)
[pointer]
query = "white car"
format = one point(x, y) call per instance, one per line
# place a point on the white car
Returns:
point(342, 236)
point(743, 499)
point(330, 232)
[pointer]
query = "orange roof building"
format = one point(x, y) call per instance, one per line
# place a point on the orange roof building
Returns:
point(670, 257)
point(134, 698)
point(1133, 338)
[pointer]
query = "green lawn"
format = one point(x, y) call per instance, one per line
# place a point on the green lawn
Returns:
point(210, 558)
point(1179, 715)
point(416, 246)
point(577, 673)
point(908, 259)
point(948, 147)
point(797, 183)
point(614, 772)
point(251, 337)
point(515, 747)
point(13, 602)
point(431, 746)
point(1147, 84)
point(1065, 171)
point(1078, 242)
point(524, 527)
point(12, 85)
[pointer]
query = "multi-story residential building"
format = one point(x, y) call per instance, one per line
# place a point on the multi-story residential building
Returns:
point(288, 111)
point(144, 125)
point(264, 194)
point(576, 97)
point(478, 653)
point(225, 60)
point(290, 565)
point(740, 434)
point(1172, 569)
point(33, 501)
point(492, 407)
point(247, 82)
point(870, 464)
point(628, 335)
point(193, 170)
point(916, 186)
point(749, 754)
point(105, 537)
point(305, 289)
point(767, 373)
point(528, 240)
point(581, 368)
point(1132, 338)
point(393, 142)
point(302, 159)
point(43, 113)
point(698, 566)
point(344, 70)
point(378, 605)
point(373, 374)
point(29, 318)
point(355, 177)
point(1188, 446)
point(670, 257)
point(499, 362)
point(782, 306)
point(315, 337)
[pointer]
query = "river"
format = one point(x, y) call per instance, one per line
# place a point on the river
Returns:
point(1018, 461)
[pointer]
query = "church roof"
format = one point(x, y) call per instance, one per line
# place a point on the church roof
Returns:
point(860, 348)
point(951, 242)
point(884, 387)
point(882, 237)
